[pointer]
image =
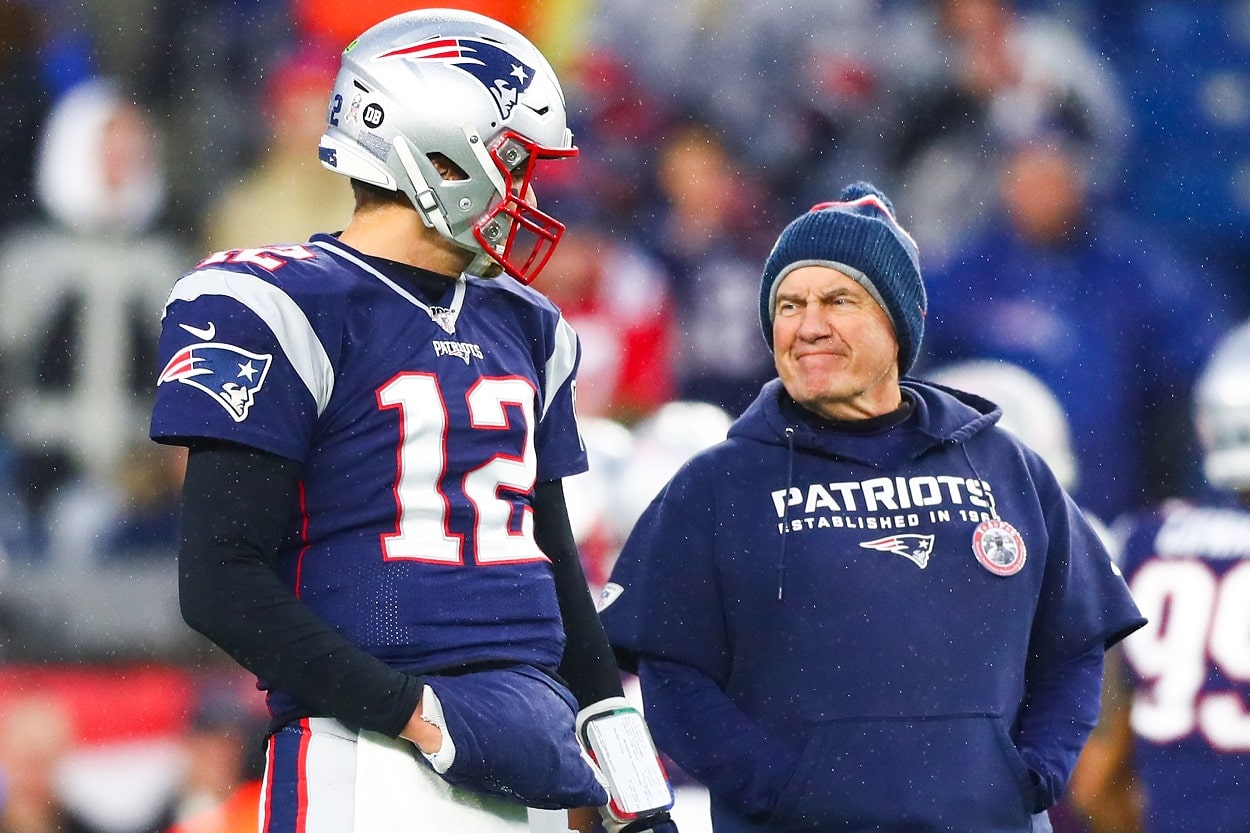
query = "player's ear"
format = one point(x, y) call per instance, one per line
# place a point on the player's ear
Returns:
point(447, 169)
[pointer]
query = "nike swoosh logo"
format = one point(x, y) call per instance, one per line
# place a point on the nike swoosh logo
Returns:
point(206, 333)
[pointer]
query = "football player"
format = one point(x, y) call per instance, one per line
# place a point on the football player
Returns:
point(379, 421)
point(1177, 754)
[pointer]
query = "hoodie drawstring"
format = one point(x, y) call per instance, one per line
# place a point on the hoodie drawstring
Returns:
point(785, 511)
point(989, 495)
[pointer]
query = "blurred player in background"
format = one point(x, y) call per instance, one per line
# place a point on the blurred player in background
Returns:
point(1174, 748)
point(379, 422)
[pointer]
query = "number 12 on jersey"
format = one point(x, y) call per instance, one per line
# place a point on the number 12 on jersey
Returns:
point(422, 532)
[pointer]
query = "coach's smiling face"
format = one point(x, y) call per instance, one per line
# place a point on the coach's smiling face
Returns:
point(834, 346)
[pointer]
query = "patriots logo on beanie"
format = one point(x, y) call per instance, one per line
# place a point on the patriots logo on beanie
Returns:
point(859, 236)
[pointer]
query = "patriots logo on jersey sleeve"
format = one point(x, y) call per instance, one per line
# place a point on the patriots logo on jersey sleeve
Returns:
point(915, 548)
point(231, 375)
point(501, 72)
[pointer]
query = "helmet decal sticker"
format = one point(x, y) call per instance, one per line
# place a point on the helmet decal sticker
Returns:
point(503, 74)
point(374, 143)
point(353, 109)
point(373, 116)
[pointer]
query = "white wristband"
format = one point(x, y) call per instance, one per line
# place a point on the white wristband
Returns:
point(432, 713)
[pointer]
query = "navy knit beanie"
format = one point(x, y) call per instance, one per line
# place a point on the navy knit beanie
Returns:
point(859, 236)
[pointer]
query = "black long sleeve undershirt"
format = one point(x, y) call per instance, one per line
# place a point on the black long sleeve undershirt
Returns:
point(588, 666)
point(236, 504)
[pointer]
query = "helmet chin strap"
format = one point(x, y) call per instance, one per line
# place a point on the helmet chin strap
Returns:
point(484, 266)
point(424, 198)
point(426, 203)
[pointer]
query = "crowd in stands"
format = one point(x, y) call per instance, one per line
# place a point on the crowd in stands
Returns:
point(1076, 173)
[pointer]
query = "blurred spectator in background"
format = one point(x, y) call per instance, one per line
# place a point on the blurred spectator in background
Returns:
point(40, 56)
point(219, 790)
point(856, 66)
point(1008, 77)
point(196, 66)
point(18, 542)
point(617, 123)
point(712, 236)
point(1187, 76)
point(628, 467)
point(616, 297)
point(81, 293)
point(1061, 286)
point(692, 56)
point(132, 516)
point(36, 736)
point(287, 195)
point(797, 88)
point(342, 22)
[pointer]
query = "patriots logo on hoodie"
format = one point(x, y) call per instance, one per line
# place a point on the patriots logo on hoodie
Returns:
point(915, 548)
point(230, 375)
point(504, 75)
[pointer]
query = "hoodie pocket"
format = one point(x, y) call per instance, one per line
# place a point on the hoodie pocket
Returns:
point(940, 773)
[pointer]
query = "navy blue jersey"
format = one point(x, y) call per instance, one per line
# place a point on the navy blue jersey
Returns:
point(422, 428)
point(1189, 569)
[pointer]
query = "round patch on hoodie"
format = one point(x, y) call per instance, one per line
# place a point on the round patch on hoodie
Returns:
point(999, 548)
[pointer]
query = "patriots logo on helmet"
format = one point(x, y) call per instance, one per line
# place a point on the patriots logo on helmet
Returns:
point(915, 548)
point(231, 375)
point(504, 75)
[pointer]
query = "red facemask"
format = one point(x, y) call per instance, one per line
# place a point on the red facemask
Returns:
point(514, 232)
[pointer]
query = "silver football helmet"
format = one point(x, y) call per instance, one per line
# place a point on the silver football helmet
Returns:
point(1222, 412)
point(1031, 411)
point(662, 443)
point(445, 83)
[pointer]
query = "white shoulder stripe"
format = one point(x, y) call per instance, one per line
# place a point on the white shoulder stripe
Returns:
point(561, 362)
point(282, 315)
